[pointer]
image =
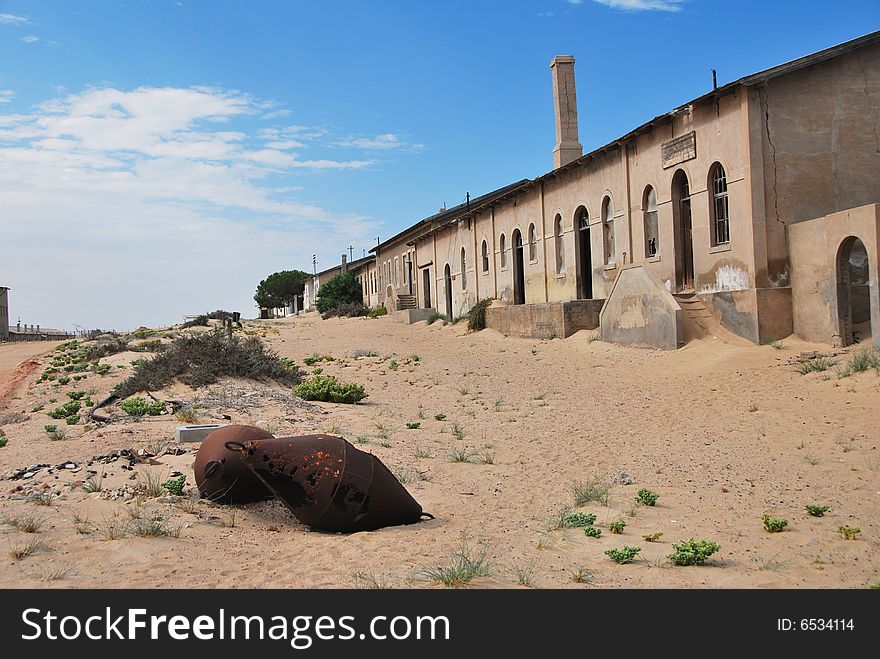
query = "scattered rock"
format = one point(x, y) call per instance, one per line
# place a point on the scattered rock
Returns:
point(622, 478)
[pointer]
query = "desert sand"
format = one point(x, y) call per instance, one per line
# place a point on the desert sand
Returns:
point(723, 431)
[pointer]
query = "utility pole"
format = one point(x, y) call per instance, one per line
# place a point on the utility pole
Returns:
point(351, 253)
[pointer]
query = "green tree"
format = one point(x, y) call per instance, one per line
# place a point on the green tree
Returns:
point(279, 288)
point(342, 289)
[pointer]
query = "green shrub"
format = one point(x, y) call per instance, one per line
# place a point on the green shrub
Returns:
point(691, 552)
point(72, 420)
point(816, 365)
point(623, 555)
point(439, 417)
point(314, 359)
point(593, 532)
point(3, 440)
point(342, 289)
point(327, 388)
point(414, 425)
point(617, 526)
point(102, 369)
point(774, 524)
point(347, 310)
point(63, 379)
point(849, 532)
point(76, 395)
point(816, 510)
point(199, 321)
point(69, 408)
point(646, 497)
point(578, 520)
point(175, 485)
point(477, 315)
point(377, 312)
point(140, 407)
point(51, 427)
point(200, 359)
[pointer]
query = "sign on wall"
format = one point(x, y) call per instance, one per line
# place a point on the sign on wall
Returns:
point(678, 150)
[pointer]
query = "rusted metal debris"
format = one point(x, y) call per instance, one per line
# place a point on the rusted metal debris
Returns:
point(221, 475)
point(329, 484)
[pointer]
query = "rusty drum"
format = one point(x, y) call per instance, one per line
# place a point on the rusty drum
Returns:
point(329, 484)
point(221, 475)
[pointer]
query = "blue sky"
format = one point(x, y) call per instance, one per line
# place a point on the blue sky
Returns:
point(159, 158)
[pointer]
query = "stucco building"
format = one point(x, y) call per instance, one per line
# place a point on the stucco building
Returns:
point(755, 204)
point(4, 313)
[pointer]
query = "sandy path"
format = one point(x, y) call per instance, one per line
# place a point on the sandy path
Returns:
point(16, 363)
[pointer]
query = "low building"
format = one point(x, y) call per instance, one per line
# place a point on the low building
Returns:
point(4, 313)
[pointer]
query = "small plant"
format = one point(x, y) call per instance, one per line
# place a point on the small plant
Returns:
point(414, 425)
point(817, 510)
point(94, 483)
point(50, 427)
point(623, 555)
point(617, 526)
point(64, 379)
point(464, 566)
point(69, 408)
point(594, 490)
point(774, 524)
point(776, 344)
point(328, 389)
point(377, 312)
point(367, 580)
point(393, 365)
point(102, 369)
point(849, 532)
point(175, 485)
point(524, 574)
point(691, 552)
point(811, 459)
point(653, 537)
point(477, 315)
point(816, 365)
point(153, 526)
point(76, 395)
point(314, 359)
point(592, 531)
point(317, 371)
point(458, 432)
point(27, 549)
point(187, 415)
point(461, 455)
point(72, 420)
point(138, 407)
point(581, 575)
point(26, 523)
point(150, 484)
point(3, 440)
point(578, 520)
point(439, 417)
point(646, 497)
point(422, 453)
point(434, 317)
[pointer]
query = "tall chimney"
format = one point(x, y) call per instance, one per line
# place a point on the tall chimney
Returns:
point(344, 267)
point(565, 112)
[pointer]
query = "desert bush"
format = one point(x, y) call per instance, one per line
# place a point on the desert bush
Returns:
point(434, 317)
point(377, 312)
point(201, 359)
point(646, 497)
point(596, 489)
point(592, 531)
point(578, 520)
point(617, 526)
point(76, 395)
point(68, 409)
point(175, 485)
point(413, 425)
point(72, 420)
point(774, 524)
point(188, 415)
point(464, 566)
point(849, 532)
point(199, 321)
point(477, 315)
point(102, 369)
point(3, 440)
point(327, 388)
point(311, 360)
point(439, 417)
point(816, 365)
point(63, 379)
point(140, 407)
point(816, 510)
point(623, 555)
point(691, 552)
point(342, 289)
point(347, 310)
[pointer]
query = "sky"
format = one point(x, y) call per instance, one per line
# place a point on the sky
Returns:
point(159, 158)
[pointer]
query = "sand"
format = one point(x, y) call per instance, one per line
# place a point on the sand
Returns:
point(724, 432)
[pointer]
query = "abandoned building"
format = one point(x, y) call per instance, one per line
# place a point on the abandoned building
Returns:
point(4, 313)
point(755, 206)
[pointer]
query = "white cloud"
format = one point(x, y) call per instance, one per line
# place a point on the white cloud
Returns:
point(13, 19)
point(639, 5)
point(32, 38)
point(147, 204)
point(6, 95)
point(381, 142)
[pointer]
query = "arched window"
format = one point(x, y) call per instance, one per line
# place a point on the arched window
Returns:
point(720, 210)
point(608, 231)
point(463, 270)
point(485, 256)
point(652, 239)
point(502, 247)
point(560, 251)
point(533, 244)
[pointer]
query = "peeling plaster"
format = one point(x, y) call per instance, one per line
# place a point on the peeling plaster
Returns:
point(728, 278)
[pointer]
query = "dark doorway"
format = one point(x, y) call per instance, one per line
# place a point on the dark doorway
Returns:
point(426, 281)
point(853, 292)
point(683, 228)
point(584, 255)
point(519, 275)
point(447, 282)
point(409, 277)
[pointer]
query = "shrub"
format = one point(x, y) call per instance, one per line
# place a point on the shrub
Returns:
point(646, 497)
point(347, 310)
point(592, 531)
point(198, 321)
point(816, 365)
point(578, 520)
point(50, 427)
point(377, 312)
point(774, 524)
point(594, 490)
point(434, 317)
point(140, 407)
point(439, 417)
point(327, 388)
point(849, 532)
point(76, 395)
point(175, 485)
point(200, 359)
point(69, 408)
point(342, 289)
point(3, 440)
point(314, 359)
point(477, 315)
point(816, 510)
point(617, 526)
point(623, 555)
point(414, 425)
point(691, 552)
point(102, 369)
point(63, 379)
point(72, 420)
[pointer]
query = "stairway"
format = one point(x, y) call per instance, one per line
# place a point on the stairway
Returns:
point(699, 322)
point(406, 302)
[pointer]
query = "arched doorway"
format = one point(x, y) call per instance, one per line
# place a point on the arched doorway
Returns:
point(426, 281)
point(519, 277)
point(683, 231)
point(583, 254)
point(447, 284)
point(853, 292)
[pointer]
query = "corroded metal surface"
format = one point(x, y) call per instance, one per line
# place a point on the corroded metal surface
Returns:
point(221, 475)
point(329, 484)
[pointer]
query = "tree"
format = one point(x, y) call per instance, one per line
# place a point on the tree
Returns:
point(279, 288)
point(342, 289)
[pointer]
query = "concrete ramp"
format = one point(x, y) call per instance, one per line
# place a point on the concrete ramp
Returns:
point(640, 311)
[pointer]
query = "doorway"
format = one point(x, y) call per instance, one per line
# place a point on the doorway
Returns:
point(447, 282)
point(584, 255)
point(853, 292)
point(683, 228)
point(426, 285)
point(519, 276)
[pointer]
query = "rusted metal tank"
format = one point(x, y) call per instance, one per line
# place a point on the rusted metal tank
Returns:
point(329, 484)
point(221, 475)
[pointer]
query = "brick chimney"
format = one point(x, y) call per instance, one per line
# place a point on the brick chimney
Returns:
point(344, 268)
point(565, 112)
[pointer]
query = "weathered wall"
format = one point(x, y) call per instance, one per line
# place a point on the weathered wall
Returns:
point(547, 320)
point(639, 310)
point(4, 313)
point(814, 246)
point(760, 315)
